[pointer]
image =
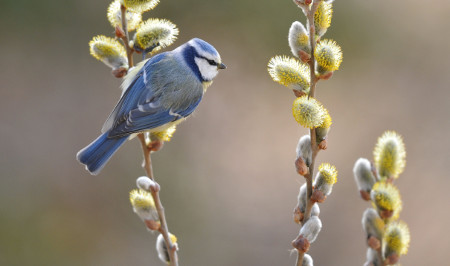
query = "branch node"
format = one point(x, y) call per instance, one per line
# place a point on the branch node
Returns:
point(318, 196)
point(365, 195)
point(323, 144)
point(301, 167)
point(298, 215)
point(374, 243)
point(301, 244)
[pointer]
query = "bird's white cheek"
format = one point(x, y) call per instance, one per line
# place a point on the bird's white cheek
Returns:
point(207, 71)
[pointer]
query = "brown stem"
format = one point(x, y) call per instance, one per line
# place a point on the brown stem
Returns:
point(164, 230)
point(300, 255)
point(312, 42)
point(147, 159)
point(125, 38)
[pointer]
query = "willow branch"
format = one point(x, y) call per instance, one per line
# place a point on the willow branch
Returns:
point(314, 147)
point(164, 230)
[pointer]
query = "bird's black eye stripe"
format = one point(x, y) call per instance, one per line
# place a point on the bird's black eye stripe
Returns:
point(211, 62)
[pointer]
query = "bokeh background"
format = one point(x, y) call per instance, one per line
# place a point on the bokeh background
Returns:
point(228, 180)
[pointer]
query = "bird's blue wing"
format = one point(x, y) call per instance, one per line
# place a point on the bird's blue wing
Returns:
point(149, 116)
point(146, 104)
point(130, 98)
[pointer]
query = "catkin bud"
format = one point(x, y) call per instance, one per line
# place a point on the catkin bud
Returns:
point(389, 155)
point(363, 174)
point(322, 17)
point(290, 73)
point(161, 247)
point(325, 179)
point(310, 230)
point(328, 57)
point(299, 41)
point(146, 183)
point(315, 210)
point(308, 112)
point(154, 34)
point(304, 149)
point(140, 5)
point(301, 204)
point(372, 224)
point(307, 260)
point(109, 51)
point(387, 200)
point(302, 198)
point(396, 240)
point(115, 16)
point(143, 205)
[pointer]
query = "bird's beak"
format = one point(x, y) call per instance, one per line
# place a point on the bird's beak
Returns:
point(221, 66)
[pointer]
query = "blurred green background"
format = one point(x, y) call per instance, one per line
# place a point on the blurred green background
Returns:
point(227, 177)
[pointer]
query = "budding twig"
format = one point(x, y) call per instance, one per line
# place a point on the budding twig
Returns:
point(314, 148)
point(164, 230)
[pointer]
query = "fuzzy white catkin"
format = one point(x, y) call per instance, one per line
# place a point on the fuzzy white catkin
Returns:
point(321, 185)
point(311, 229)
point(304, 149)
point(302, 198)
point(295, 31)
point(315, 210)
point(144, 183)
point(362, 172)
point(307, 260)
point(372, 223)
point(161, 248)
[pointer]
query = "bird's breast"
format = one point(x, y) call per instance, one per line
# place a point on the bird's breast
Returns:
point(206, 84)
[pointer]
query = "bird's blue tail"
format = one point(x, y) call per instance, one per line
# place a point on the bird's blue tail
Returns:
point(97, 154)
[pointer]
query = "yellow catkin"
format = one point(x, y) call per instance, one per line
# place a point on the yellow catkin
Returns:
point(141, 199)
point(327, 121)
point(389, 155)
point(140, 5)
point(396, 237)
point(322, 17)
point(329, 173)
point(102, 47)
point(308, 112)
point(115, 16)
point(289, 72)
point(173, 238)
point(386, 196)
point(165, 135)
point(328, 55)
point(155, 31)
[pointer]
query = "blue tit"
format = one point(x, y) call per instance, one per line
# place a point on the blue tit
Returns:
point(158, 93)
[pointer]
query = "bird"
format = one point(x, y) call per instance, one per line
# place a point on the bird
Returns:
point(158, 93)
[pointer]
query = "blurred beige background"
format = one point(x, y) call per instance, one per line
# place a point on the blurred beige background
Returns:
point(227, 177)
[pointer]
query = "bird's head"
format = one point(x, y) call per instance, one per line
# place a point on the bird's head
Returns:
point(204, 58)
